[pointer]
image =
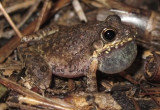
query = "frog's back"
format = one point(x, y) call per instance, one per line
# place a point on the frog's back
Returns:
point(68, 52)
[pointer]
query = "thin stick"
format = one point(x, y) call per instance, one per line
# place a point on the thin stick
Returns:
point(10, 21)
point(30, 12)
point(32, 9)
point(41, 15)
point(78, 9)
point(22, 106)
point(28, 93)
point(129, 78)
point(19, 6)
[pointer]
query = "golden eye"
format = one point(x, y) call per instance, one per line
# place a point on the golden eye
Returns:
point(108, 34)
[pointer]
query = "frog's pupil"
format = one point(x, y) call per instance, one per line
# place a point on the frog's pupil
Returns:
point(109, 35)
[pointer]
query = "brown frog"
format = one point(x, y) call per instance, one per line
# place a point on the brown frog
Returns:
point(69, 51)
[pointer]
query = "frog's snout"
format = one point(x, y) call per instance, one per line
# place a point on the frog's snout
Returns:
point(118, 59)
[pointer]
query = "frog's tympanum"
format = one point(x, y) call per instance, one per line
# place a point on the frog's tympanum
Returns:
point(70, 50)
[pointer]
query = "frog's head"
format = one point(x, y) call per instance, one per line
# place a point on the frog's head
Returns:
point(116, 49)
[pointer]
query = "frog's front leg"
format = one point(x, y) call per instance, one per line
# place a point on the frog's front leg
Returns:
point(41, 34)
point(91, 76)
point(38, 71)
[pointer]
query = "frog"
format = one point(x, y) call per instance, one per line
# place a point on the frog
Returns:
point(69, 51)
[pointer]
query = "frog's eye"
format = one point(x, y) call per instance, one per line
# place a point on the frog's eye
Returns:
point(108, 34)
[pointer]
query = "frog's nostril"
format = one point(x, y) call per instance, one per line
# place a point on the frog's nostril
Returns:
point(108, 34)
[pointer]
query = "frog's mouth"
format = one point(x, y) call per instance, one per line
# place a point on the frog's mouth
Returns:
point(119, 58)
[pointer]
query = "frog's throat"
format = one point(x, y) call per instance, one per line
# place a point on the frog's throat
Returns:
point(113, 45)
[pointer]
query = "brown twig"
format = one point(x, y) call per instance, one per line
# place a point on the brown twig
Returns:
point(59, 4)
point(129, 78)
point(22, 106)
point(41, 15)
point(10, 33)
point(19, 6)
point(137, 107)
point(11, 67)
point(78, 9)
point(42, 100)
point(30, 12)
point(10, 21)
point(6, 50)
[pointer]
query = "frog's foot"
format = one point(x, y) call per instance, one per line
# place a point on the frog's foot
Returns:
point(39, 72)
